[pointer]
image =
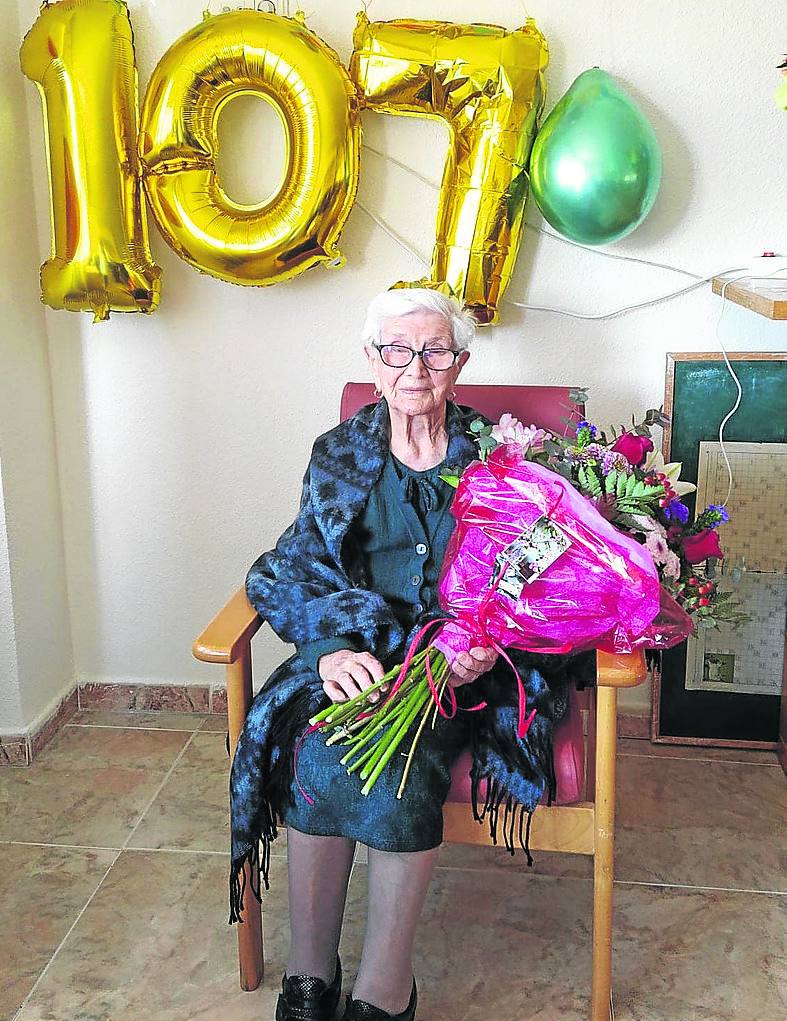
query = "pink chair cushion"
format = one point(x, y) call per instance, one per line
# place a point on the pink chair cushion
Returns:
point(545, 406)
point(568, 759)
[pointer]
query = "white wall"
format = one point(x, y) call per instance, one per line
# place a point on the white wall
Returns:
point(36, 660)
point(184, 436)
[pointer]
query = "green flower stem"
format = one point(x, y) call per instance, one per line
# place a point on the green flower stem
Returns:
point(393, 743)
point(361, 760)
point(441, 680)
point(372, 727)
point(390, 735)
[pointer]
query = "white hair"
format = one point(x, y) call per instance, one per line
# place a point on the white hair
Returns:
point(402, 301)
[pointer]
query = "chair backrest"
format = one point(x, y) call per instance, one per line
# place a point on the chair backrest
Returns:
point(544, 406)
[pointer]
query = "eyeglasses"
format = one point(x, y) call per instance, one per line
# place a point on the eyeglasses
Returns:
point(396, 356)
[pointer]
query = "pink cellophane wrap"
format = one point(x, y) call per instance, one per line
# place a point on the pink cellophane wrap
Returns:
point(603, 592)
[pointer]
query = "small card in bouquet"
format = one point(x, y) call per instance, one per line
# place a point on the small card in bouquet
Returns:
point(529, 555)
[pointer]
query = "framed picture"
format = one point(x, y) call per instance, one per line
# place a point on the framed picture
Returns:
point(724, 687)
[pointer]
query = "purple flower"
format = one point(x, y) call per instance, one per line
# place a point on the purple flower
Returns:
point(676, 511)
point(721, 511)
point(614, 459)
point(586, 425)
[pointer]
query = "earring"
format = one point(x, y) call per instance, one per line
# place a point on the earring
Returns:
point(378, 393)
point(452, 395)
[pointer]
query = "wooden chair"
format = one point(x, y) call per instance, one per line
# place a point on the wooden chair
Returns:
point(583, 827)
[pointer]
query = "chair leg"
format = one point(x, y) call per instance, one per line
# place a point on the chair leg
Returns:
point(250, 948)
point(250, 942)
point(603, 858)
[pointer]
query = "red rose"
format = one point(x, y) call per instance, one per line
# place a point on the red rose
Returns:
point(699, 547)
point(633, 447)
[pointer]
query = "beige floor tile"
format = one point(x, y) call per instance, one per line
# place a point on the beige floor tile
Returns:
point(150, 720)
point(42, 890)
point(714, 824)
point(192, 810)
point(154, 945)
point(499, 945)
point(215, 722)
point(88, 787)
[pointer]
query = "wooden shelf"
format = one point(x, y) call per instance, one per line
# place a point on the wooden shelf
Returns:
point(771, 304)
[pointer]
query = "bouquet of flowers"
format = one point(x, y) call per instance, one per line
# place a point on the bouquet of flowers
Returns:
point(562, 544)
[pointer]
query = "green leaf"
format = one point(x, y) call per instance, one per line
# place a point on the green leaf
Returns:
point(578, 395)
point(477, 425)
point(621, 486)
point(486, 443)
point(631, 481)
point(594, 482)
point(452, 480)
point(610, 481)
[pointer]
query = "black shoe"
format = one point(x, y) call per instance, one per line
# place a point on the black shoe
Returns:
point(360, 1010)
point(305, 998)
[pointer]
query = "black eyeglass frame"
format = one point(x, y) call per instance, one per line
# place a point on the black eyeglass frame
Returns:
point(420, 354)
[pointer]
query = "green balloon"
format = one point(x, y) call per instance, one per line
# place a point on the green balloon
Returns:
point(595, 167)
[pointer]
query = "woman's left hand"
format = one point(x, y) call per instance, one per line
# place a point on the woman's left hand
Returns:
point(470, 665)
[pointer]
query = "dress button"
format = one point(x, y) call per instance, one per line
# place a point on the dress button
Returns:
point(416, 579)
point(421, 548)
point(419, 607)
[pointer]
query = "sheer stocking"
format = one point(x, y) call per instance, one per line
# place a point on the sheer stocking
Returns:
point(318, 873)
point(397, 889)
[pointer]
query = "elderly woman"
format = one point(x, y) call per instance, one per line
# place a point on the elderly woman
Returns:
point(349, 583)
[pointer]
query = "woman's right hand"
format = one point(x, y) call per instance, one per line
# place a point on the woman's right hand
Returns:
point(347, 673)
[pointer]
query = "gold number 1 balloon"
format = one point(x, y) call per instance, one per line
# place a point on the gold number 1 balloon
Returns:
point(250, 53)
point(80, 54)
point(488, 85)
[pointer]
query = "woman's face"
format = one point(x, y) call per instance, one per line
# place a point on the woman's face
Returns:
point(415, 389)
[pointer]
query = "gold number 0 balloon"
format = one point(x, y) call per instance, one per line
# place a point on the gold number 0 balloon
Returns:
point(248, 52)
point(488, 84)
point(80, 54)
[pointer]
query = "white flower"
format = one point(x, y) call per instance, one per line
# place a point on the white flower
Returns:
point(672, 565)
point(511, 430)
point(654, 462)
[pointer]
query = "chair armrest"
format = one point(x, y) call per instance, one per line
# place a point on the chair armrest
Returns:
point(229, 632)
point(625, 670)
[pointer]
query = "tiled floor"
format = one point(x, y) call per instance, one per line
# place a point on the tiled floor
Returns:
point(113, 889)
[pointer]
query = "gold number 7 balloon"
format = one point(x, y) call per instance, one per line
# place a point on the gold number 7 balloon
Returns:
point(487, 84)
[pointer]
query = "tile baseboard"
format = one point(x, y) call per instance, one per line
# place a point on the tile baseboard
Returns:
point(21, 749)
point(171, 698)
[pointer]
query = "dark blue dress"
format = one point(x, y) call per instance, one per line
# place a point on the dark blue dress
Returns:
point(402, 537)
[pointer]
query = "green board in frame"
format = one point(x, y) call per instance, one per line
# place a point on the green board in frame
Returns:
point(698, 395)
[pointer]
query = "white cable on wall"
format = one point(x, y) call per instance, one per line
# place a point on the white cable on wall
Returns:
point(698, 280)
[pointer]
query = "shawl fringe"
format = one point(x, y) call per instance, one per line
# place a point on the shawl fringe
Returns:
point(287, 724)
point(242, 874)
point(514, 811)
